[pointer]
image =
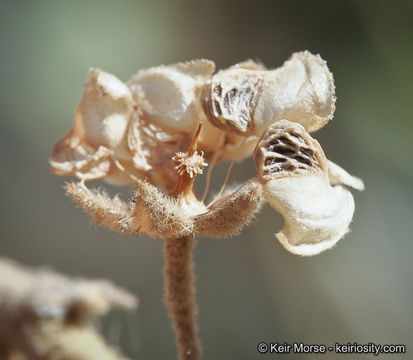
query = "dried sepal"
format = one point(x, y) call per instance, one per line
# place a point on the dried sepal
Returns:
point(98, 137)
point(228, 215)
point(110, 212)
point(246, 99)
point(294, 172)
point(157, 214)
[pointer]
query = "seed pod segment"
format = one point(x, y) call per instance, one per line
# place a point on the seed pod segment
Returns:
point(294, 172)
point(245, 99)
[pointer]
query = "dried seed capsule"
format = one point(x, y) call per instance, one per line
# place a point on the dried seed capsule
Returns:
point(230, 97)
point(246, 100)
point(294, 172)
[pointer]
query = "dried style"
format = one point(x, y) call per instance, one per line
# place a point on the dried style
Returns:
point(159, 131)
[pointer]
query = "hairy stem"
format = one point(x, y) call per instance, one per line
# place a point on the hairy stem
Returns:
point(180, 295)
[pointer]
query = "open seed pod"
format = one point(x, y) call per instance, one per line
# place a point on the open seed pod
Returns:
point(295, 175)
point(98, 136)
point(245, 100)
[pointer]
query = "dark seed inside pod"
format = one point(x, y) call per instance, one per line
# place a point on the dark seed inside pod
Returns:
point(285, 149)
point(229, 100)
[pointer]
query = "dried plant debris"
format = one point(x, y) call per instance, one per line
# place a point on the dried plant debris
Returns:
point(45, 315)
point(159, 131)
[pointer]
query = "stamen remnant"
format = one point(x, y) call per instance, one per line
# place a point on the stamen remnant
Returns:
point(190, 165)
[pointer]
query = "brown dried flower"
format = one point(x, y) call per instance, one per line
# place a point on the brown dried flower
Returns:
point(45, 315)
point(159, 130)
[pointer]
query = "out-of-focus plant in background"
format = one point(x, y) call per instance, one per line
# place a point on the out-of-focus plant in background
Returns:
point(249, 288)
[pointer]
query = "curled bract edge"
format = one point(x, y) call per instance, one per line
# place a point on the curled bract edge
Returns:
point(130, 133)
point(294, 172)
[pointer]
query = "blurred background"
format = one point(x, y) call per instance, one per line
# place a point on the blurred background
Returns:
point(249, 288)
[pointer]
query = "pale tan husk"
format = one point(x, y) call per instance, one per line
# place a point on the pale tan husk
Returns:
point(246, 100)
point(295, 175)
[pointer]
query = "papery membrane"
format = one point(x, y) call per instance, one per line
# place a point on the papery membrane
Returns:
point(97, 140)
point(168, 95)
point(295, 175)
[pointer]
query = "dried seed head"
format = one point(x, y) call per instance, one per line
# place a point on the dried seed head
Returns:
point(294, 171)
point(245, 100)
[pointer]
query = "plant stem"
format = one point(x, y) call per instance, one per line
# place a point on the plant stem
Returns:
point(180, 295)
